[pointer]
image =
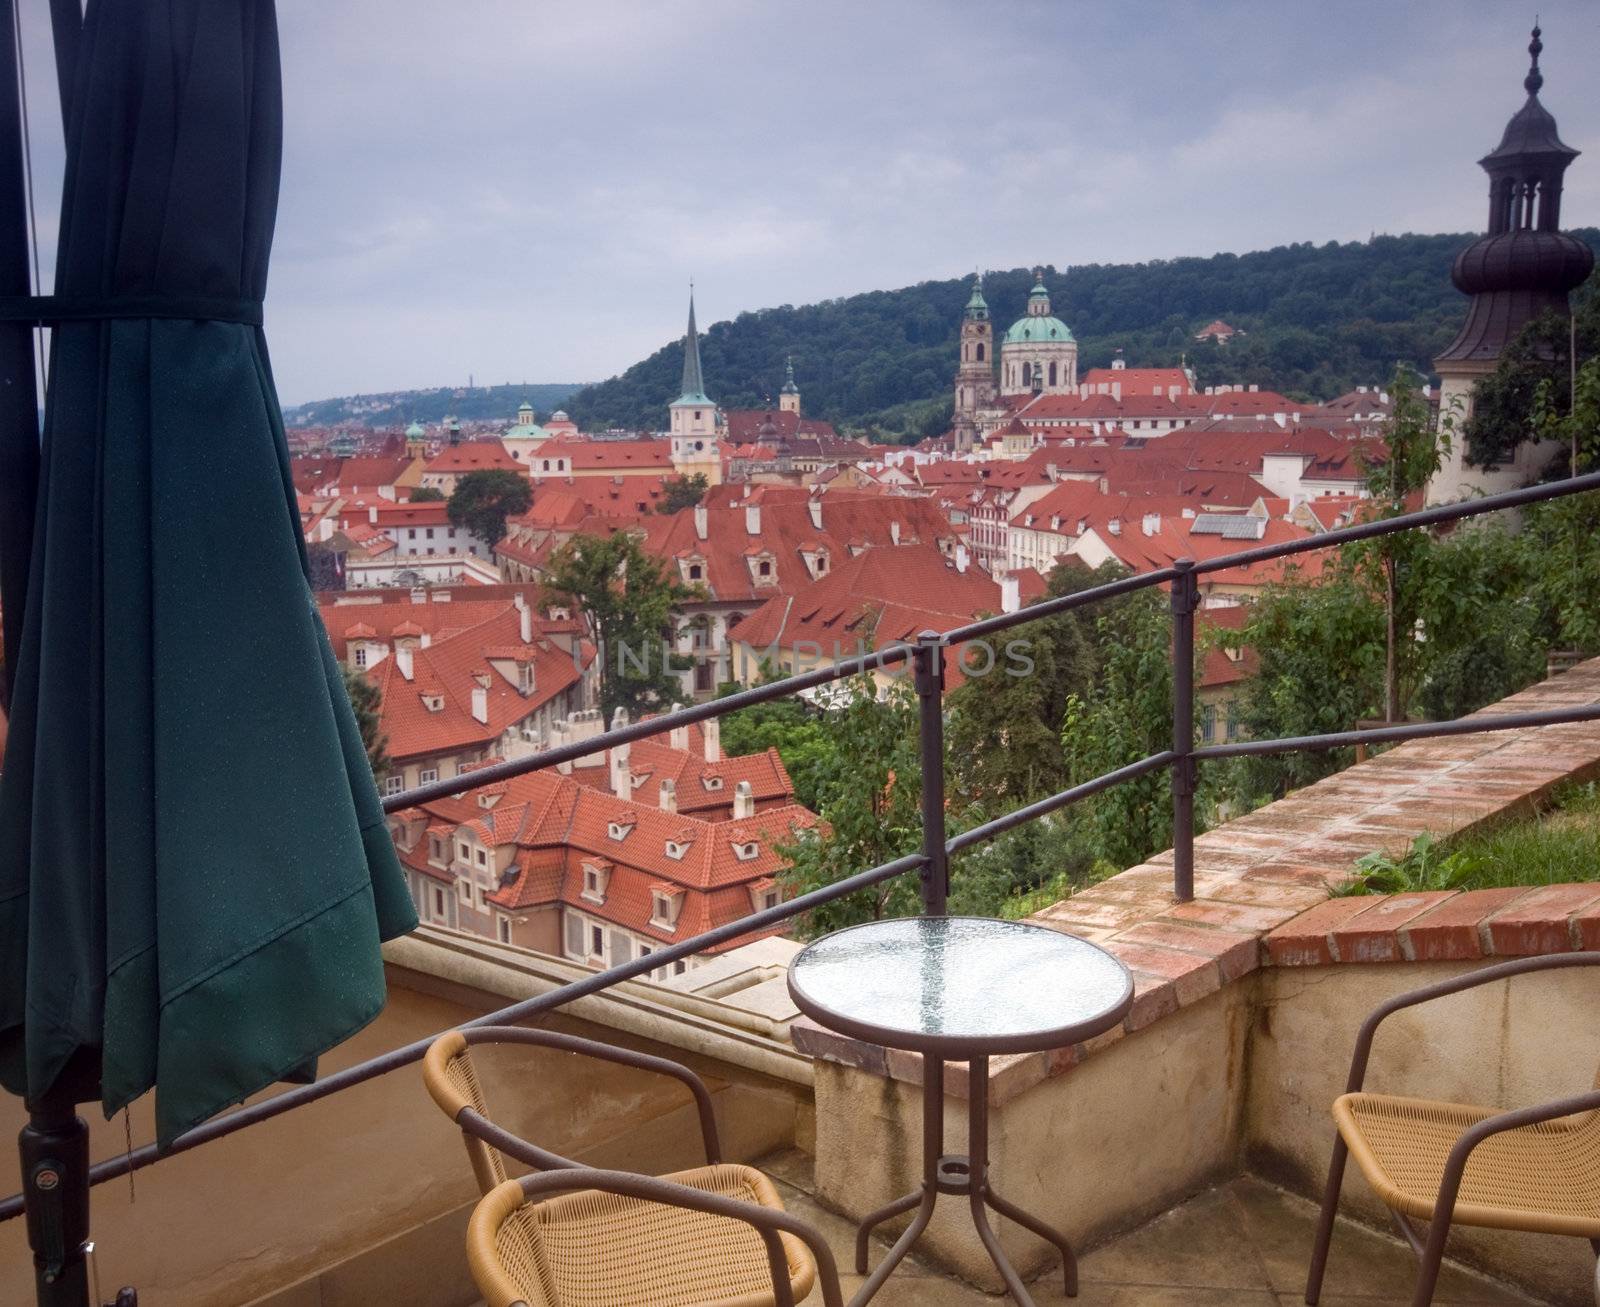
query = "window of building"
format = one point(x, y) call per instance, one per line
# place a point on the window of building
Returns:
point(679, 967)
point(361, 655)
point(429, 534)
point(981, 354)
point(770, 899)
point(464, 891)
point(1233, 722)
point(675, 851)
point(594, 884)
point(663, 910)
point(747, 851)
point(464, 851)
point(695, 571)
point(478, 900)
point(483, 857)
point(437, 849)
point(427, 776)
point(438, 903)
point(1208, 724)
point(503, 929)
point(393, 784)
point(411, 533)
point(597, 942)
point(574, 935)
point(617, 830)
point(764, 568)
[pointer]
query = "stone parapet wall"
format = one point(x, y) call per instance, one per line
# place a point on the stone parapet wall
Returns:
point(1264, 882)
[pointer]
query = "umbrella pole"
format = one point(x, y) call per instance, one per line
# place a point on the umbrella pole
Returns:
point(55, 1187)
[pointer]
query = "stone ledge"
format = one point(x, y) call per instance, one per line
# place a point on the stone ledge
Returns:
point(1263, 884)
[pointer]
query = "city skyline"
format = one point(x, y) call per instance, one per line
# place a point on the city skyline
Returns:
point(523, 196)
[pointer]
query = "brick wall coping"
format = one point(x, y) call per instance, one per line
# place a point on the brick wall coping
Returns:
point(1262, 884)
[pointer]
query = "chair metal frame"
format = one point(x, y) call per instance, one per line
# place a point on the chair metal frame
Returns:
point(1430, 1250)
point(554, 1174)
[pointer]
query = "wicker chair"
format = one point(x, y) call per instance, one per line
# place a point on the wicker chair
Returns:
point(573, 1236)
point(1535, 1169)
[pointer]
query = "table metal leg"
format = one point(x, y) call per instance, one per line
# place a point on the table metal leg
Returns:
point(957, 1175)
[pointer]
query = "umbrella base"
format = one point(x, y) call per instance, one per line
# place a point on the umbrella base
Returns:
point(54, 1146)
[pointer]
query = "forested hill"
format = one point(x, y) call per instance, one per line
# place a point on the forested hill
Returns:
point(400, 407)
point(1319, 321)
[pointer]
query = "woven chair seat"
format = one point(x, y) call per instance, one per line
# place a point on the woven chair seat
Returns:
point(591, 1249)
point(1543, 1178)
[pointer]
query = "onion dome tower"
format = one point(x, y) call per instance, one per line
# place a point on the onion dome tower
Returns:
point(1521, 267)
point(789, 396)
point(1524, 265)
point(975, 371)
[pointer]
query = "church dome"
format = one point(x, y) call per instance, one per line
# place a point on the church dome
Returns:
point(1549, 261)
point(1037, 328)
point(415, 431)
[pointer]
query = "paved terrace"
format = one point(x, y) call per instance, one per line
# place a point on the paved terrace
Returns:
point(1242, 1244)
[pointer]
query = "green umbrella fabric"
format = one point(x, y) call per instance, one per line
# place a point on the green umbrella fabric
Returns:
point(195, 874)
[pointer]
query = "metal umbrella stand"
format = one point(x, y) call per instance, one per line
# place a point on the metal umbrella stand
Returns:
point(162, 927)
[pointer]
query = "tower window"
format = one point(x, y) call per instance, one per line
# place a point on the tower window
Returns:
point(980, 351)
point(1052, 374)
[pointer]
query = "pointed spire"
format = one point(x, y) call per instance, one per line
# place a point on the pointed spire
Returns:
point(1535, 79)
point(694, 386)
point(977, 306)
point(789, 388)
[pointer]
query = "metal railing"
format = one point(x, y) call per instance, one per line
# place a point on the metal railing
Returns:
point(932, 862)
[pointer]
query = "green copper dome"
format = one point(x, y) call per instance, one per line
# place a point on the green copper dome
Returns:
point(1036, 329)
point(415, 431)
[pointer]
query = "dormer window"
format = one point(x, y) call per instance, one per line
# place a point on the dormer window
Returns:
point(764, 567)
point(525, 677)
point(747, 851)
point(618, 830)
point(696, 571)
point(438, 850)
point(664, 906)
point(433, 702)
point(595, 878)
point(711, 782)
point(678, 849)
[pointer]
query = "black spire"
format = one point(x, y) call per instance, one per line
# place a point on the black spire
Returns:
point(1525, 265)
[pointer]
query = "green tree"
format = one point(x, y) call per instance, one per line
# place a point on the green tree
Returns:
point(683, 492)
point(428, 495)
point(1534, 373)
point(1413, 449)
point(482, 501)
point(1320, 652)
point(869, 791)
point(632, 604)
point(1121, 717)
point(792, 728)
point(367, 701)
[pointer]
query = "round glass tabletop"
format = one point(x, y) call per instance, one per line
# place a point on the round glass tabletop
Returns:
point(962, 986)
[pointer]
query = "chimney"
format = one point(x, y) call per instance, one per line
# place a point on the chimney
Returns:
point(525, 615)
point(1151, 523)
point(621, 776)
point(1116, 391)
point(1254, 388)
point(1115, 526)
point(669, 796)
point(372, 515)
point(711, 728)
point(894, 531)
point(752, 519)
point(678, 737)
point(815, 507)
point(961, 557)
point(701, 521)
point(1282, 419)
point(402, 660)
point(425, 639)
point(1050, 471)
point(744, 801)
point(1010, 594)
point(480, 704)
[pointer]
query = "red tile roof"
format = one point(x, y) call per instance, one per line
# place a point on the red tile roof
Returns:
point(473, 456)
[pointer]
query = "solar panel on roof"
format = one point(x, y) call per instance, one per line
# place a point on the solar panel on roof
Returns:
point(1230, 526)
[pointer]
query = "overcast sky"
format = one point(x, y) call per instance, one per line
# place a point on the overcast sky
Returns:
point(520, 191)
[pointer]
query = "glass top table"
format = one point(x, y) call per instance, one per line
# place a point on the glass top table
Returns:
point(959, 989)
point(960, 986)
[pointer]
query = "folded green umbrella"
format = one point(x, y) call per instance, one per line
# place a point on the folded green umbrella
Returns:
point(194, 869)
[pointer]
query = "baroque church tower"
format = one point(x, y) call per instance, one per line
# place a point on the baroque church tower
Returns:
point(1522, 267)
point(695, 421)
point(789, 396)
point(975, 372)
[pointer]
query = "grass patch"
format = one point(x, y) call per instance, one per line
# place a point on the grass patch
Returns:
point(1553, 847)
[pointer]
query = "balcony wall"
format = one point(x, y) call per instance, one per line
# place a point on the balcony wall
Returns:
point(363, 1197)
